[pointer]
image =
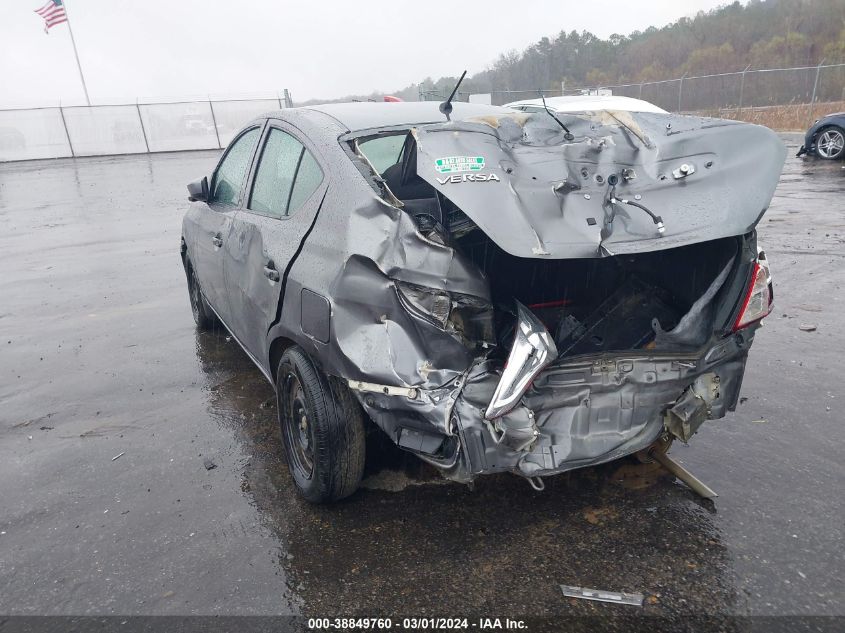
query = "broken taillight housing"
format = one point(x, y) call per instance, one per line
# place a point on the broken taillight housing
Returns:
point(431, 304)
point(533, 349)
point(758, 298)
point(470, 317)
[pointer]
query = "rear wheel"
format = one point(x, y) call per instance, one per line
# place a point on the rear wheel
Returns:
point(203, 315)
point(322, 429)
point(830, 143)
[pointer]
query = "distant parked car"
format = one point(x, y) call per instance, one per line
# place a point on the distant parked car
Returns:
point(826, 137)
point(586, 103)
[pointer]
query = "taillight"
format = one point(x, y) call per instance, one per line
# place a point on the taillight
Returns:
point(758, 298)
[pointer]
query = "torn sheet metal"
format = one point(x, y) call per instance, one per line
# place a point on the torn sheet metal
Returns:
point(539, 195)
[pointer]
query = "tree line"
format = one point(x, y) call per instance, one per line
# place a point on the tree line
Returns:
point(760, 33)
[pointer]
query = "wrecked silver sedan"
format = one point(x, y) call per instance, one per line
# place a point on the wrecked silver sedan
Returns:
point(499, 291)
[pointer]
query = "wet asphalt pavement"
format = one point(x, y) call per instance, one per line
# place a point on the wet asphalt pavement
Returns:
point(99, 358)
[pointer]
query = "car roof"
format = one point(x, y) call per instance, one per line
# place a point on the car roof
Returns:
point(590, 103)
point(366, 115)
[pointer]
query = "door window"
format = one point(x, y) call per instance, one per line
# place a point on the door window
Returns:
point(229, 177)
point(287, 175)
point(308, 178)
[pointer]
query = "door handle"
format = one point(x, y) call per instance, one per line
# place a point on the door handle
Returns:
point(271, 273)
point(217, 241)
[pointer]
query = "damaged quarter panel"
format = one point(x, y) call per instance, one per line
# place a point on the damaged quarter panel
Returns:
point(359, 247)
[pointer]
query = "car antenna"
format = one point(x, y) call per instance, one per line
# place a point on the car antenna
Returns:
point(446, 106)
point(568, 136)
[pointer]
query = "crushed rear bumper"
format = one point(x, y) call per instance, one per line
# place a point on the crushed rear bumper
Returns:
point(577, 413)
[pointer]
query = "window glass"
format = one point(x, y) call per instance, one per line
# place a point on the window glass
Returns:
point(308, 178)
point(384, 151)
point(275, 174)
point(230, 175)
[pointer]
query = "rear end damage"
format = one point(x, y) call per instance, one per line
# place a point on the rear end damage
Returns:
point(529, 407)
point(599, 329)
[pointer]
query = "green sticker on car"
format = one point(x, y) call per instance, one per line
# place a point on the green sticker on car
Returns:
point(453, 164)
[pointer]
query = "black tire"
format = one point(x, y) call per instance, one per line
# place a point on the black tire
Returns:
point(322, 429)
point(830, 143)
point(203, 315)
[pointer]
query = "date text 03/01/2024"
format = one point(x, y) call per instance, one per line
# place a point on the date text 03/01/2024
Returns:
point(386, 624)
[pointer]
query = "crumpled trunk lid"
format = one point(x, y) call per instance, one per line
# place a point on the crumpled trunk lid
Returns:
point(538, 195)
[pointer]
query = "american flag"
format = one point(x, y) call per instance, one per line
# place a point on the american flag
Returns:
point(53, 13)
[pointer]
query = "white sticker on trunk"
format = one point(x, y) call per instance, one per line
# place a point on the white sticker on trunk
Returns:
point(452, 164)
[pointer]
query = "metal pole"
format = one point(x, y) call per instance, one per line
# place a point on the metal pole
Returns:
point(641, 91)
point(76, 55)
point(742, 87)
point(67, 134)
point(279, 99)
point(816, 82)
point(143, 131)
point(214, 122)
point(681, 92)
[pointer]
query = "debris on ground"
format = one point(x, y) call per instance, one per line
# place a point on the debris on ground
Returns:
point(209, 465)
point(600, 595)
point(597, 516)
point(807, 327)
point(759, 421)
point(118, 456)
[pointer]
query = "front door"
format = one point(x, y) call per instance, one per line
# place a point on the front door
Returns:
point(286, 189)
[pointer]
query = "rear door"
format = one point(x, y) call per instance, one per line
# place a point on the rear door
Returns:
point(213, 221)
point(284, 194)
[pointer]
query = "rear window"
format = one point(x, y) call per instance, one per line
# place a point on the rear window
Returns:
point(383, 151)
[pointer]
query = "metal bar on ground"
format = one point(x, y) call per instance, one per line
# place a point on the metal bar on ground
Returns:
point(599, 595)
point(694, 483)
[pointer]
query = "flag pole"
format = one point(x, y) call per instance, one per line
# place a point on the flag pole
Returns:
point(76, 55)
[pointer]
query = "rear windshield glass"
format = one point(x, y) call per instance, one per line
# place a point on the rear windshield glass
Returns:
point(383, 151)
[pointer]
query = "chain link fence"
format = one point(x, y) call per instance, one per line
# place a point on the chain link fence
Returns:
point(733, 90)
point(69, 131)
point(60, 132)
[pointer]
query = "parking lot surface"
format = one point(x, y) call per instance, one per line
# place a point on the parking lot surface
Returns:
point(141, 469)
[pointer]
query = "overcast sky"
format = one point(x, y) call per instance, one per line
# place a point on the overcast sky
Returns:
point(317, 49)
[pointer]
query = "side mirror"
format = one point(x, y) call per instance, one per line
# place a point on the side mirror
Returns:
point(198, 190)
